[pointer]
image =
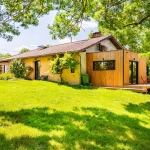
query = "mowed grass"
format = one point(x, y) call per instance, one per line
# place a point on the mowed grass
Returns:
point(40, 115)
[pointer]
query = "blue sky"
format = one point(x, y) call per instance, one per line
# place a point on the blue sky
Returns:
point(34, 36)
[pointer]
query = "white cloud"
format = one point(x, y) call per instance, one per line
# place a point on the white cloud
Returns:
point(65, 40)
point(89, 24)
point(20, 47)
point(31, 47)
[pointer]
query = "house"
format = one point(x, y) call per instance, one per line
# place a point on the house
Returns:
point(102, 57)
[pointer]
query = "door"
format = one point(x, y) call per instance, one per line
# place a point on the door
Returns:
point(37, 70)
point(133, 74)
point(5, 68)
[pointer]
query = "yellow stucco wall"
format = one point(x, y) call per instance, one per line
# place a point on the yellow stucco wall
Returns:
point(83, 62)
point(68, 77)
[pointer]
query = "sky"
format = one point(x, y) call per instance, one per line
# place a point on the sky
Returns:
point(34, 36)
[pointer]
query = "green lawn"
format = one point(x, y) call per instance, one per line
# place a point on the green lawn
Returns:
point(40, 115)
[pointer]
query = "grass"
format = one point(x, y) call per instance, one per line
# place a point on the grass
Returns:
point(40, 115)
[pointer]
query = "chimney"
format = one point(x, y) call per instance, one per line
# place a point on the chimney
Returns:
point(96, 34)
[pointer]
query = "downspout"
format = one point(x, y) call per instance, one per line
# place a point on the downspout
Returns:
point(80, 67)
point(123, 67)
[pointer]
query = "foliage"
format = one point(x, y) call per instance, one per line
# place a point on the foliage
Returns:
point(21, 13)
point(2, 56)
point(48, 45)
point(90, 34)
point(6, 76)
point(56, 65)
point(146, 56)
point(127, 20)
point(28, 71)
point(41, 115)
point(19, 69)
point(59, 63)
point(67, 61)
point(23, 50)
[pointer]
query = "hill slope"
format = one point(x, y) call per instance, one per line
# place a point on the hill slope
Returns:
point(44, 115)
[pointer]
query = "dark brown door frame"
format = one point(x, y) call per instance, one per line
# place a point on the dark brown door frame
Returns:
point(132, 72)
point(37, 70)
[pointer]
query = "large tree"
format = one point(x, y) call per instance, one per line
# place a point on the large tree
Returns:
point(127, 20)
point(15, 13)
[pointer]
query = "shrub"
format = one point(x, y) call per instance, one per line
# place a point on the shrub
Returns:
point(28, 71)
point(66, 62)
point(56, 65)
point(19, 69)
point(6, 76)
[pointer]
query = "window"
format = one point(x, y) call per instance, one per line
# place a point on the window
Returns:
point(0, 68)
point(101, 48)
point(72, 70)
point(104, 65)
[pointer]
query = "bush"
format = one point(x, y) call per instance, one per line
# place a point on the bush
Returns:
point(19, 69)
point(6, 76)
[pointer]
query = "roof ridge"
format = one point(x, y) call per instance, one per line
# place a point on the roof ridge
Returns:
point(18, 54)
point(74, 42)
point(79, 46)
point(66, 43)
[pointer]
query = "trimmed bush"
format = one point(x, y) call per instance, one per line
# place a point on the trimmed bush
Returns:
point(6, 76)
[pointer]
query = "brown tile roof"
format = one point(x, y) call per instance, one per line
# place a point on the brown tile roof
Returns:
point(62, 48)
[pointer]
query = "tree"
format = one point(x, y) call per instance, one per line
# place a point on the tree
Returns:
point(66, 62)
point(22, 12)
point(23, 50)
point(127, 20)
point(4, 55)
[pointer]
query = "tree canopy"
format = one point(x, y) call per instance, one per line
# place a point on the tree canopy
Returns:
point(22, 12)
point(23, 50)
point(127, 20)
point(4, 55)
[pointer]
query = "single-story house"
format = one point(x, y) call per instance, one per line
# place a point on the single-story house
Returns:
point(101, 57)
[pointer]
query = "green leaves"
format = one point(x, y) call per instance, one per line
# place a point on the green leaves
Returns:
point(2, 56)
point(127, 20)
point(19, 70)
point(56, 65)
point(24, 50)
point(22, 12)
point(59, 63)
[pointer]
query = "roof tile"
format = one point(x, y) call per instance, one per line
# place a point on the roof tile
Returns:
point(61, 48)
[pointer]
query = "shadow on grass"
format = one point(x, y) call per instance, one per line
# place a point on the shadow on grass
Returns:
point(77, 87)
point(24, 143)
point(93, 129)
point(138, 108)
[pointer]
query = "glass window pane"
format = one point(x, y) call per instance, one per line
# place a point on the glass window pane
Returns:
point(104, 65)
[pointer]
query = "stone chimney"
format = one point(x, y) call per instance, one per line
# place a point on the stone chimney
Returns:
point(96, 34)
